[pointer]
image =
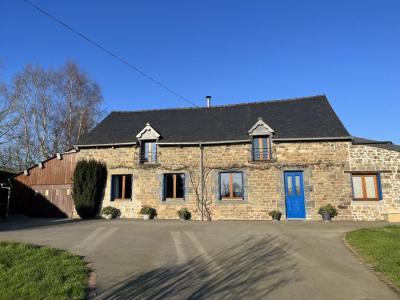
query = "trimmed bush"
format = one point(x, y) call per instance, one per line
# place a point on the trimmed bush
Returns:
point(89, 182)
point(113, 211)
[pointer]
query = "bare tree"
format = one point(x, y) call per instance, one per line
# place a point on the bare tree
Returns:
point(7, 116)
point(44, 112)
point(79, 100)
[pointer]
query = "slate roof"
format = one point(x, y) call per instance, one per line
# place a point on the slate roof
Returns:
point(388, 145)
point(300, 118)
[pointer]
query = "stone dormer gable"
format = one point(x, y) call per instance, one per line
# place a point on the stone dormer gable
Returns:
point(260, 128)
point(148, 133)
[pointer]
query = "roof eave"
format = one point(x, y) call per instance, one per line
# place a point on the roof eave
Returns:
point(345, 138)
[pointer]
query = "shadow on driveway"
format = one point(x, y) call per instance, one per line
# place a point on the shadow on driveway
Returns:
point(252, 269)
point(18, 222)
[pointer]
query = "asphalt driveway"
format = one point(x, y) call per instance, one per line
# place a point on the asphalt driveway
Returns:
point(137, 259)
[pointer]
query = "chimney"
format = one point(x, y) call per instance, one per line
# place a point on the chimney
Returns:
point(208, 100)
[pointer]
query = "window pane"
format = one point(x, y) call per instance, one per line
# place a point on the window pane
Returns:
point(153, 152)
point(261, 149)
point(148, 152)
point(264, 148)
point(297, 184)
point(128, 186)
point(116, 191)
point(256, 149)
point(357, 187)
point(180, 185)
point(289, 185)
point(370, 187)
point(224, 188)
point(237, 187)
point(149, 147)
point(231, 185)
point(169, 186)
point(117, 187)
point(174, 186)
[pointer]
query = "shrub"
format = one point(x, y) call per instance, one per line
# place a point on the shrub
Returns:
point(275, 214)
point(147, 210)
point(328, 209)
point(89, 181)
point(184, 214)
point(113, 211)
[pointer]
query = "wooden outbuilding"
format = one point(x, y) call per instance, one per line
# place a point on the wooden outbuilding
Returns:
point(45, 189)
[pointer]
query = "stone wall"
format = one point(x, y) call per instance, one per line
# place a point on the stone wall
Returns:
point(323, 164)
point(387, 164)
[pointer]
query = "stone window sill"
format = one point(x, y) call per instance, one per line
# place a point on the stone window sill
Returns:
point(121, 202)
point(149, 165)
point(172, 201)
point(231, 201)
point(366, 202)
point(265, 161)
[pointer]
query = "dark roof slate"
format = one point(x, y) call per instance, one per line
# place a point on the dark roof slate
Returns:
point(388, 145)
point(309, 117)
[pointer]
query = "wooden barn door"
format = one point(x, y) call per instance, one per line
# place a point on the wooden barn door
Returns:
point(52, 201)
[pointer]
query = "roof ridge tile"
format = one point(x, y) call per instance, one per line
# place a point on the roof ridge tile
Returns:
point(305, 98)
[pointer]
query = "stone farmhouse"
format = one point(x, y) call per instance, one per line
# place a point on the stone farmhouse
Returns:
point(242, 161)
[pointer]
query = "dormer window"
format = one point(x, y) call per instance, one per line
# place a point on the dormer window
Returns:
point(261, 147)
point(261, 138)
point(148, 152)
point(148, 138)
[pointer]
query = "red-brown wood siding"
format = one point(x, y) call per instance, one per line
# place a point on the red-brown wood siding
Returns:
point(55, 177)
point(54, 171)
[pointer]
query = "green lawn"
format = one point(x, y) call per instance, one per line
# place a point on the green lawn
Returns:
point(380, 247)
point(33, 272)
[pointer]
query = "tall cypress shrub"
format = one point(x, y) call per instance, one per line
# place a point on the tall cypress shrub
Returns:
point(88, 187)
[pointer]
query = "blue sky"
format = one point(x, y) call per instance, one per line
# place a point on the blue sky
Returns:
point(236, 51)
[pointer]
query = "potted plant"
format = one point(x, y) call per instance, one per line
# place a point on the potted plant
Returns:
point(184, 214)
point(276, 215)
point(148, 212)
point(110, 212)
point(327, 212)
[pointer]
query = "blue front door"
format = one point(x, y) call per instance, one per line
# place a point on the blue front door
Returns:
point(294, 193)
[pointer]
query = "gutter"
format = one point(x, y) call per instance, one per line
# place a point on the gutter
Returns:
point(343, 138)
point(106, 145)
point(348, 138)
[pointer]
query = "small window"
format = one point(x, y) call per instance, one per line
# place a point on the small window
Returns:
point(174, 186)
point(231, 185)
point(148, 152)
point(68, 192)
point(261, 148)
point(121, 187)
point(366, 187)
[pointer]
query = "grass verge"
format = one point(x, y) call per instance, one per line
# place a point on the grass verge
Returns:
point(33, 272)
point(380, 247)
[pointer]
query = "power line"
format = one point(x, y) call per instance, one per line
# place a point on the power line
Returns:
point(117, 57)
